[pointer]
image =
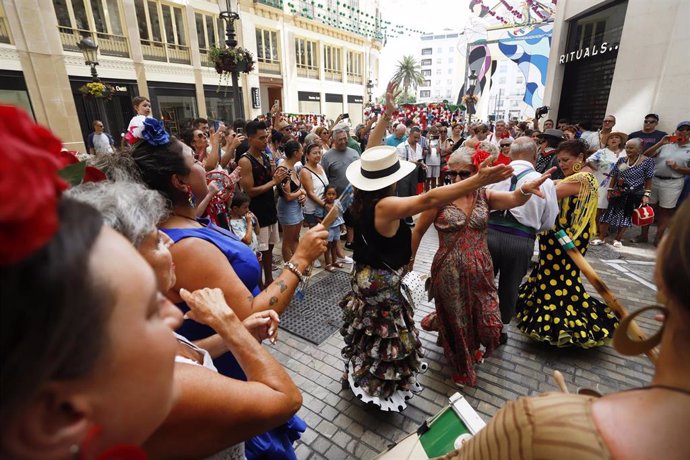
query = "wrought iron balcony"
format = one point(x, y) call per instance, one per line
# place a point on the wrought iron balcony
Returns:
point(108, 44)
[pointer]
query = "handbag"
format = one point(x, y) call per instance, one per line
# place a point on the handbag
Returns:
point(643, 215)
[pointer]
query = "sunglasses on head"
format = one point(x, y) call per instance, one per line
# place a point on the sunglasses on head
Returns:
point(200, 135)
point(460, 174)
point(505, 145)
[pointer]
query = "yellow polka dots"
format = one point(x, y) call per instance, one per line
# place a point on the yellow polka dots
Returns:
point(547, 328)
point(557, 251)
point(556, 320)
point(549, 257)
point(547, 296)
point(556, 267)
point(547, 272)
point(568, 283)
point(594, 315)
point(553, 282)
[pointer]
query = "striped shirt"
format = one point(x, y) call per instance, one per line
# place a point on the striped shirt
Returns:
point(548, 426)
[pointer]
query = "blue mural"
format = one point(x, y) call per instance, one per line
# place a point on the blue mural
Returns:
point(529, 49)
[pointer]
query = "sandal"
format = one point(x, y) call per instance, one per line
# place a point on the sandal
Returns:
point(338, 265)
point(329, 268)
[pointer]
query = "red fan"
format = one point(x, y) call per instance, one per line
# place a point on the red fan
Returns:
point(224, 184)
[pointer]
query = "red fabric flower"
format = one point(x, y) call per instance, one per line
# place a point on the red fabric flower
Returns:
point(479, 157)
point(29, 184)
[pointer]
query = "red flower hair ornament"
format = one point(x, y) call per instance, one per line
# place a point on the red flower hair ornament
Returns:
point(34, 170)
point(29, 185)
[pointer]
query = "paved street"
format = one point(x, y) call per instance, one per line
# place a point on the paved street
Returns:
point(341, 427)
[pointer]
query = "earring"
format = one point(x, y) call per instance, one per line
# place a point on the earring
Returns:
point(190, 195)
point(629, 347)
point(577, 166)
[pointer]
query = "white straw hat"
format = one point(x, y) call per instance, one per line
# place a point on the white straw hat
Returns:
point(378, 168)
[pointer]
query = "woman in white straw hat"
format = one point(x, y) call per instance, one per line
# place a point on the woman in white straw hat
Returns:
point(382, 348)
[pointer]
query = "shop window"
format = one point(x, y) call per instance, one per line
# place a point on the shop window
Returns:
point(99, 19)
point(164, 37)
point(426, 83)
point(426, 73)
point(267, 51)
point(427, 51)
point(426, 61)
point(425, 93)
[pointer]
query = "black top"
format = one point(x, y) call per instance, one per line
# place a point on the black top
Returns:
point(263, 206)
point(380, 251)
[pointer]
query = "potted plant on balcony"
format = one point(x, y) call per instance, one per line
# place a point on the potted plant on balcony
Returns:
point(98, 90)
point(226, 60)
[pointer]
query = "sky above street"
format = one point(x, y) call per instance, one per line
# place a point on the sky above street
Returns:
point(427, 15)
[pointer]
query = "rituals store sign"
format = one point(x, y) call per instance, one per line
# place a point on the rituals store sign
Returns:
point(584, 53)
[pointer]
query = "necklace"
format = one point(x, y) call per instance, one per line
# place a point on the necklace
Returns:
point(637, 160)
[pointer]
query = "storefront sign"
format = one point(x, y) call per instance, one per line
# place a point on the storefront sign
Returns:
point(334, 98)
point(308, 96)
point(355, 99)
point(584, 53)
point(121, 89)
point(256, 98)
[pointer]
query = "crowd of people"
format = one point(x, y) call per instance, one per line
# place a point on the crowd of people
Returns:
point(180, 236)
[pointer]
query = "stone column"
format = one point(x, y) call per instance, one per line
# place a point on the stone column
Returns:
point(135, 50)
point(193, 40)
point(44, 68)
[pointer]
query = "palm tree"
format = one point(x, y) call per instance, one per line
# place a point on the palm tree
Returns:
point(408, 74)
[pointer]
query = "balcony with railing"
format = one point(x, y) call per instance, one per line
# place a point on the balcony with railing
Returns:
point(269, 66)
point(334, 75)
point(166, 52)
point(353, 78)
point(4, 31)
point(273, 3)
point(108, 44)
point(203, 55)
point(307, 72)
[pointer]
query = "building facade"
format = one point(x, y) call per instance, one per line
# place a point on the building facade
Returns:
point(159, 49)
point(626, 58)
point(441, 64)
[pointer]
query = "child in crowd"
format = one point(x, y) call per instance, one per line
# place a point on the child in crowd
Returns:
point(243, 223)
point(142, 106)
point(331, 255)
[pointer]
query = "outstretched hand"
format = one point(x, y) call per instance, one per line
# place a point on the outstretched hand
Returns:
point(532, 187)
point(488, 174)
point(392, 93)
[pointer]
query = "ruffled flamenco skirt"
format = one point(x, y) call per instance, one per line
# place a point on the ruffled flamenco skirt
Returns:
point(382, 348)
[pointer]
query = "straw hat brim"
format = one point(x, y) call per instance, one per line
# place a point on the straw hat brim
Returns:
point(354, 175)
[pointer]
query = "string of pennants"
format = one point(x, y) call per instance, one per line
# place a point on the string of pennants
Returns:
point(538, 8)
point(366, 24)
point(311, 118)
point(423, 113)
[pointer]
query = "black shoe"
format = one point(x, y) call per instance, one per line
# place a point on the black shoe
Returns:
point(504, 338)
point(348, 246)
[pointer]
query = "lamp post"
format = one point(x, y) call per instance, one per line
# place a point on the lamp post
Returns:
point(370, 89)
point(90, 51)
point(230, 17)
point(470, 92)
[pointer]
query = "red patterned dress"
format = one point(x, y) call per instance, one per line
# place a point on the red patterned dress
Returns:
point(464, 289)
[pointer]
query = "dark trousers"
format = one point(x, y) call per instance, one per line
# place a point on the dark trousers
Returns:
point(511, 256)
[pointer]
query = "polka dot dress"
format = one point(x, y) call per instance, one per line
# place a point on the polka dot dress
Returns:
point(553, 306)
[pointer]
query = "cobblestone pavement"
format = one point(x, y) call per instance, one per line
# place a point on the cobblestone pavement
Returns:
point(341, 427)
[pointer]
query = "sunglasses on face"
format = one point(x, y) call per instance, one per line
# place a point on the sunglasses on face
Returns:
point(200, 135)
point(505, 145)
point(460, 174)
point(650, 121)
point(608, 121)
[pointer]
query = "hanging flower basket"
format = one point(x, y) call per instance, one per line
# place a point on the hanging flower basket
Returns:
point(225, 60)
point(469, 99)
point(98, 90)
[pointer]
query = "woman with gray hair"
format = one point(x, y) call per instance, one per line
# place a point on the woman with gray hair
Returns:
point(134, 211)
point(462, 273)
point(630, 186)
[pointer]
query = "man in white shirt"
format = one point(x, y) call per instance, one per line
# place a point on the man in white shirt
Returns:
point(512, 232)
point(410, 150)
point(500, 132)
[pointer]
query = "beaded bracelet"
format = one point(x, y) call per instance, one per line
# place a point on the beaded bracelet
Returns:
point(294, 269)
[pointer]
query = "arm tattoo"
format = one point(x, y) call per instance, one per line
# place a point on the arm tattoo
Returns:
point(273, 301)
point(282, 285)
point(250, 298)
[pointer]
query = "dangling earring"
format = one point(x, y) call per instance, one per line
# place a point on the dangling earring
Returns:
point(190, 195)
point(629, 347)
point(577, 166)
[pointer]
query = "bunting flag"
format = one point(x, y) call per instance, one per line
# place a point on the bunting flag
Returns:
point(515, 13)
point(311, 118)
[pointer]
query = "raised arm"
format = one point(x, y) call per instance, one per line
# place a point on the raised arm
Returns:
point(394, 208)
point(651, 152)
point(379, 132)
point(507, 200)
point(215, 412)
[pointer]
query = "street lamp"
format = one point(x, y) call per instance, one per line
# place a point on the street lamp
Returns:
point(230, 17)
point(90, 50)
point(470, 92)
point(370, 89)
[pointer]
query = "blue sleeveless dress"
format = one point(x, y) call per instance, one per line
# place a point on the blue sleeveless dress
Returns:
point(277, 443)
